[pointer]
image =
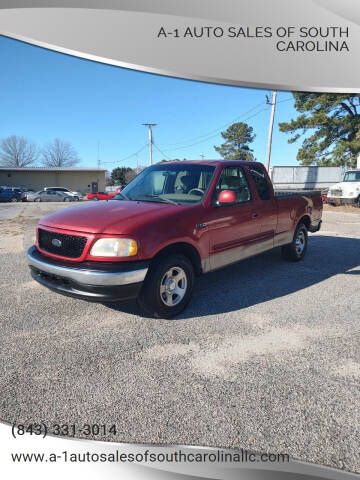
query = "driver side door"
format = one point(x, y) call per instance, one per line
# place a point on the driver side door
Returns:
point(234, 230)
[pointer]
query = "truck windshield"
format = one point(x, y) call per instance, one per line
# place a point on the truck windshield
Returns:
point(352, 176)
point(170, 183)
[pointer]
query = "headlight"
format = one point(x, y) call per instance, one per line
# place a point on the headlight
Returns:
point(114, 247)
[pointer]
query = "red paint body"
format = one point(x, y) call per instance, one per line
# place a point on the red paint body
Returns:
point(218, 233)
point(101, 195)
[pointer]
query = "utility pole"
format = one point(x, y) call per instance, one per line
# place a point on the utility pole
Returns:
point(98, 155)
point(150, 125)
point(273, 104)
point(202, 156)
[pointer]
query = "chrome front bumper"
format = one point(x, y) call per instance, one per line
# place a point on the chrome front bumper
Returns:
point(86, 276)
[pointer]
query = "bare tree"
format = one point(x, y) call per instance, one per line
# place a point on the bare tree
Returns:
point(17, 152)
point(59, 153)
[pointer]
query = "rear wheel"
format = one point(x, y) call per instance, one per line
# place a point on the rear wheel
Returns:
point(168, 286)
point(66, 199)
point(13, 200)
point(37, 200)
point(95, 199)
point(296, 250)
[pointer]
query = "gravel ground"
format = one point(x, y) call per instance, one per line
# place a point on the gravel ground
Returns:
point(266, 357)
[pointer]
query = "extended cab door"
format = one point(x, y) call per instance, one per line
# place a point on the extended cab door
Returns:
point(267, 208)
point(234, 230)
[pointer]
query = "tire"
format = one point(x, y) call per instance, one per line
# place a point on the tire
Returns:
point(160, 286)
point(37, 200)
point(295, 251)
point(76, 199)
point(66, 199)
point(95, 199)
point(14, 200)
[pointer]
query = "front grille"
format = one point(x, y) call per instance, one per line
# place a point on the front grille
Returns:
point(71, 246)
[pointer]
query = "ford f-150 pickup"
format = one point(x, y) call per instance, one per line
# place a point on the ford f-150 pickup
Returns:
point(172, 222)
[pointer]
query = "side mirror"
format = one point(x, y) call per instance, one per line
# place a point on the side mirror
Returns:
point(227, 197)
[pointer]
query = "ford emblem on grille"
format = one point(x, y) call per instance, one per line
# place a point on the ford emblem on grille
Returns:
point(56, 242)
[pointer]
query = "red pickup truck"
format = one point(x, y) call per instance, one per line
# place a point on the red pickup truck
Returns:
point(172, 222)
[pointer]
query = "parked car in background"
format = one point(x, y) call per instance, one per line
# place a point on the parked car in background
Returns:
point(100, 195)
point(22, 191)
point(347, 191)
point(8, 195)
point(324, 195)
point(174, 221)
point(28, 191)
point(76, 195)
point(49, 196)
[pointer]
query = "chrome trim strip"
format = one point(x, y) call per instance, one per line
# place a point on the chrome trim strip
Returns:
point(89, 277)
point(233, 255)
point(283, 238)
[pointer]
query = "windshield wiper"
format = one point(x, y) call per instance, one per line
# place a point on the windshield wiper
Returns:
point(163, 199)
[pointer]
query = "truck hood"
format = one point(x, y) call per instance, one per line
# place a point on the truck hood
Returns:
point(346, 187)
point(110, 217)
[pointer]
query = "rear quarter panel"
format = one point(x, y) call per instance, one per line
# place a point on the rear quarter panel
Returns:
point(292, 209)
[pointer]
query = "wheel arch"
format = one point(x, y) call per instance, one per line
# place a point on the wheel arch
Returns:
point(306, 220)
point(183, 248)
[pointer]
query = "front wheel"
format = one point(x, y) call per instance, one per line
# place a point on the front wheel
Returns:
point(296, 250)
point(66, 199)
point(168, 286)
point(14, 200)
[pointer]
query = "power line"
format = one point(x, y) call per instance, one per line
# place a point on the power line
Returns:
point(223, 126)
point(212, 136)
point(217, 129)
point(204, 138)
point(162, 153)
point(129, 156)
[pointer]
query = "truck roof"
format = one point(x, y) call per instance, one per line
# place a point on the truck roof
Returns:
point(214, 162)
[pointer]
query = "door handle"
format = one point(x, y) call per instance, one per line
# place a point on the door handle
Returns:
point(255, 215)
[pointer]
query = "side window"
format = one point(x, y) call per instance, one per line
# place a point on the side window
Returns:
point(261, 183)
point(233, 178)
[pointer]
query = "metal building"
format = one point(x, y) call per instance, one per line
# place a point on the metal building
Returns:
point(84, 180)
point(309, 177)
